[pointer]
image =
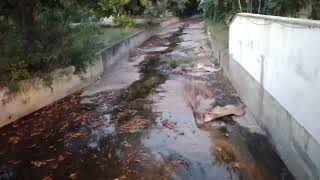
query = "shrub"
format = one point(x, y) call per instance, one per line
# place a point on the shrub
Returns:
point(18, 71)
point(173, 64)
point(13, 87)
point(52, 49)
point(124, 21)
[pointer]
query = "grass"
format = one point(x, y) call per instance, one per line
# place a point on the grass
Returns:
point(109, 36)
point(219, 32)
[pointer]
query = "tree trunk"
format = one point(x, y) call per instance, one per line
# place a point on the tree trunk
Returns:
point(248, 5)
point(240, 6)
point(259, 9)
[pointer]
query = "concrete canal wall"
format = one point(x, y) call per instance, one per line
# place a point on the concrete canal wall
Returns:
point(274, 63)
point(34, 94)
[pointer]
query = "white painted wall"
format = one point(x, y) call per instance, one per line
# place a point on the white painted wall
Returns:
point(283, 55)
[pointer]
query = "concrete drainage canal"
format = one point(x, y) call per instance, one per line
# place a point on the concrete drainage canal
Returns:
point(177, 121)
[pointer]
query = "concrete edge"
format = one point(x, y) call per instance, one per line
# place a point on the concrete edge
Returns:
point(307, 23)
point(119, 42)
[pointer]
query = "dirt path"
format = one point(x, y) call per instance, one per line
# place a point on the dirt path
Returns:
point(143, 120)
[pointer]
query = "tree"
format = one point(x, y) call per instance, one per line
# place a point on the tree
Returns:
point(220, 10)
point(35, 35)
point(286, 7)
point(315, 14)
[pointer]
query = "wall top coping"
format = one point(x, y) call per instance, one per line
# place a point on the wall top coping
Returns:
point(295, 22)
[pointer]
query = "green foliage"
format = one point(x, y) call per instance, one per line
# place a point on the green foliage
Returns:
point(48, 80)
point(79, 46)
point(124, 21)
point(224, 10)
point(157, 8)
point(109, 36)
point(219, 32)
point(285, 7)
point(13, 87)
point(315, 14)
point(108, 7)
point(154, 8)
point(47, 44)
point(18, 71)
point(219, 10)
point(173, 64)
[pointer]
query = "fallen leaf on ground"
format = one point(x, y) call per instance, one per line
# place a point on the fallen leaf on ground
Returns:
point(133, 157)
point(35, 134)
point(50, 160)
point(126, 144)
point(179, 162)
point(64, 126)
point(121, 178)
point(47, 178)
point(14, 140)
point(73, 176)
point(236, 166)
point(61, 158)
point(38, 163)
point(78, 134)
point(32, 146)
point(168, 124)
point(98, 124)
point(134, 125)
point(14, 162)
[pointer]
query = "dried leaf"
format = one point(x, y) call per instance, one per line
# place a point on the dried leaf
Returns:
point(32, 146)
point(14, 140)
point(61, 158)
point(50, 160)
point(35, 134)
point(38, 163)
point(179, 162)
point(78, 134)
point(168, 124)
point(236, 166)
point(14, 162)
point(73, 176)
point(47, 178)
point(133, 126)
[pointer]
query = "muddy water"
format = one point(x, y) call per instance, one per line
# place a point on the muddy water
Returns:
point(144, 126)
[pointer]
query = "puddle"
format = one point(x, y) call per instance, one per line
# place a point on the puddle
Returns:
point(144, 129)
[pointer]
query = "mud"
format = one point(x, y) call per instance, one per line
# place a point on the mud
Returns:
point(144, 128)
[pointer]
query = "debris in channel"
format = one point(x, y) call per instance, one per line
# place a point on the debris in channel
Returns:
point(203, 67)
point(179, 162)
point(133, 126)
point(219, 112)
point(168, 125)
point(193, 91)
